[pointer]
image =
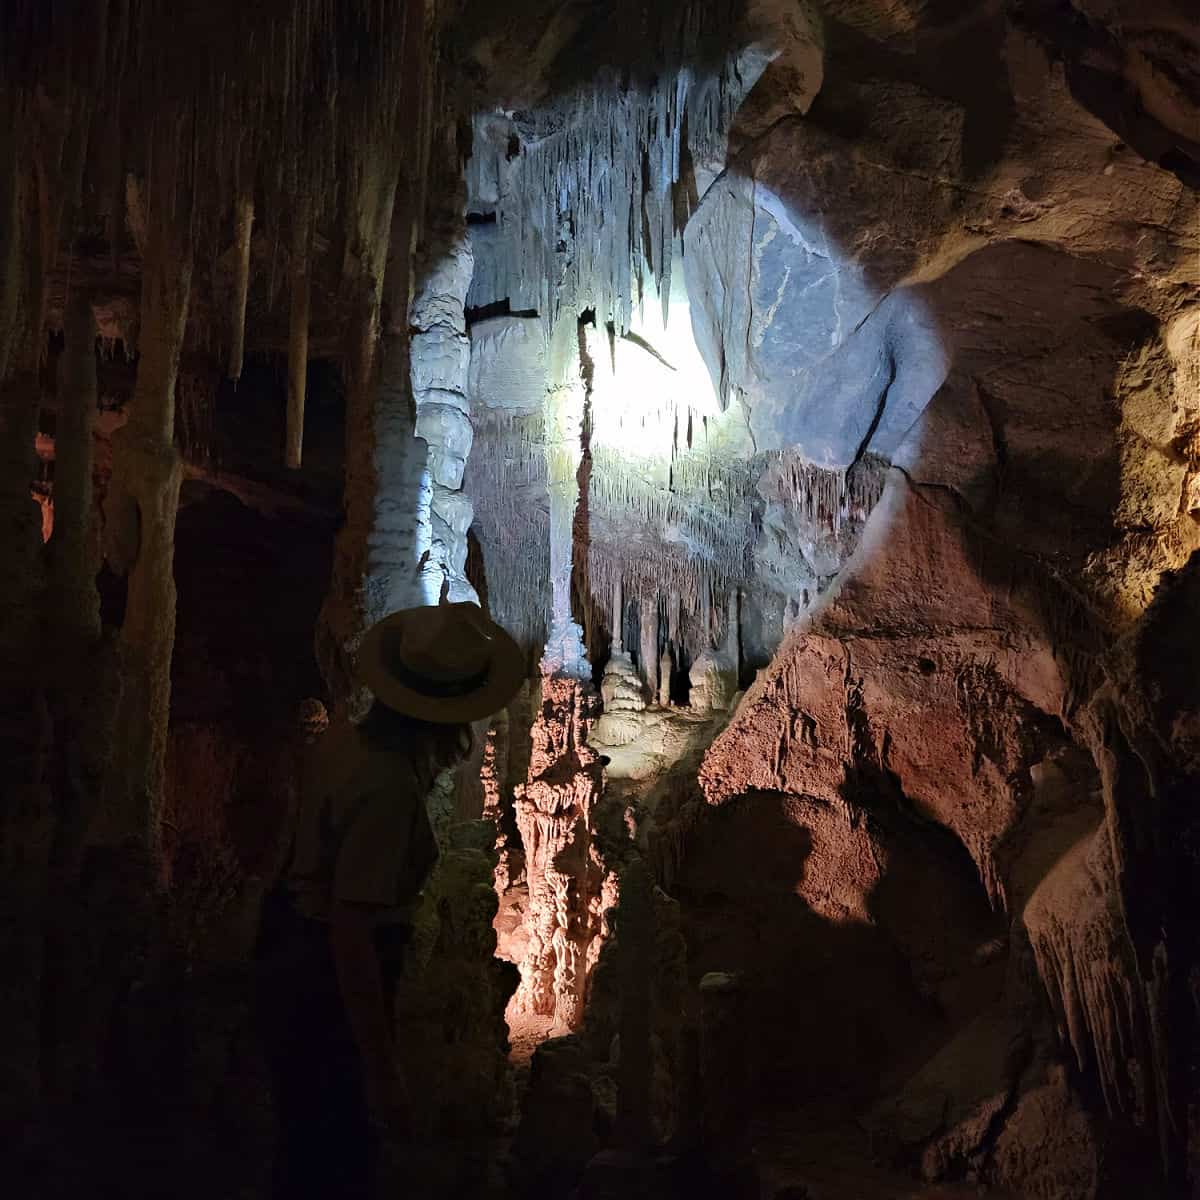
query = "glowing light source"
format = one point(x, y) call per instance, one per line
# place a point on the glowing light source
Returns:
point(651, 389)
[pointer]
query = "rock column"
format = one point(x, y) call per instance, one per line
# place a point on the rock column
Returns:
point(556, 807)
point(441, 357)
point(556, 818)
point(142, 510)
point(565, 402)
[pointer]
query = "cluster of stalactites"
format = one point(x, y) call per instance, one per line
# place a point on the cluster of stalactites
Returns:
point(597, 202)
point(822, 498)
point(280, 118)
point(299, 82)
point(664, 610)
point(703, 505)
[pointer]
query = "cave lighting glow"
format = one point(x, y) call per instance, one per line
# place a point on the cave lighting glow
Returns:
point(649, 385)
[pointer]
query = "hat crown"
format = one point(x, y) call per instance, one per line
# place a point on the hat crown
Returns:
point(444, 644)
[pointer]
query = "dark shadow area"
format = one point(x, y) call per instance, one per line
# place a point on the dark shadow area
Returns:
point(962, 62)
point(834, 1004)
point(248, 428)
point(1041, 498)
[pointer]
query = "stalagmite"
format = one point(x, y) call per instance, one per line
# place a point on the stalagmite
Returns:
point(555, 816)
point(243, 225)
point(301, 301)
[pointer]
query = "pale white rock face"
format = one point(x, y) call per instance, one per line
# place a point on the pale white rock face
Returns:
point(450, 437)
point(443, 396)
point(439, 360)
point(396, 578)
point(453, 509)
point(508, 364)
point(441, 295)
point(565, 654)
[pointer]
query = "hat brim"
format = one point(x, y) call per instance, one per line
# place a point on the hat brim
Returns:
point(505, 675)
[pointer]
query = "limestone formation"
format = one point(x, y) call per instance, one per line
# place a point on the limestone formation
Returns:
point(568, 884)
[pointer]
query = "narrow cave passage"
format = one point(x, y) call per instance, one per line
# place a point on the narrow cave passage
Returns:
point(599, 599)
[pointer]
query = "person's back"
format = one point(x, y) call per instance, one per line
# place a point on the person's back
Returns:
point(362, 820)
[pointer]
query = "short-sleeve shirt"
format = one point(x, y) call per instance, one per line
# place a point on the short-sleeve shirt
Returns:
point(362, 829)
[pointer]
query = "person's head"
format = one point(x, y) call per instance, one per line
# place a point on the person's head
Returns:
point(434, 746)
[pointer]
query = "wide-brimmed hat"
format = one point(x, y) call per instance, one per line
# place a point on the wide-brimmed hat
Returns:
point(445, 663)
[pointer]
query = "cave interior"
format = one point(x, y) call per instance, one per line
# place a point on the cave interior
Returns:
point(811, 388)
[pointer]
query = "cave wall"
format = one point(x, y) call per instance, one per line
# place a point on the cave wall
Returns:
point(952, 680)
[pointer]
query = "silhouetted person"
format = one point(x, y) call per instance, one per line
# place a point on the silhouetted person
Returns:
point(363, 849)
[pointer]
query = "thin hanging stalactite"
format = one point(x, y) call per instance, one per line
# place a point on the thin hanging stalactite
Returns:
point(243, 225)
point(301, 300)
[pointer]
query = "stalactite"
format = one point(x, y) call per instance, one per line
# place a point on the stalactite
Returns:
point(301, 299)
point(1081, 949)
point(243, 225)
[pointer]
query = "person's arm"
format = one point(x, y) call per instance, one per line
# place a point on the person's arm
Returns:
point(364, 883)
point(361, 984)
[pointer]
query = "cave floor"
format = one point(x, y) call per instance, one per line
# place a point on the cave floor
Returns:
point(826, 1155)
